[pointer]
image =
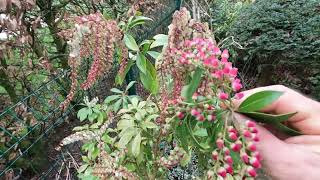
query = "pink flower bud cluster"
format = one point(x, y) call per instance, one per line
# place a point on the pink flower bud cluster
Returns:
point(221, 73)
point(241, 142)
point(173, 159)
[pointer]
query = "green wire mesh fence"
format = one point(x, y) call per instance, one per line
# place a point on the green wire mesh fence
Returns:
point(28, 129)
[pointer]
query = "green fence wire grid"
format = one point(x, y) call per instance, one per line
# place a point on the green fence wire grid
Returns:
point(26, 126)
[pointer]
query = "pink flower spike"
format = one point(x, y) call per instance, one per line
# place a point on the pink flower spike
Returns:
point(226, 70)
point(214, 155)
point(236, 147)
point(236, 86)
point(217, 74)
point(214, 62)
point(228, 159)
point(224, 60)
point(211, 118)
point(207, 62)
point(244, 157)
point(200, 117)
point(225, 54)
point(257, 155)
point(239, 96)
point(234, 72)
point(247, 133)
point(255, 137)
point(252, 147)
point(251, 171)
point(226, 151)
point(216, 51)
point(228, 168)
point(180, 115)
point(255, 162)
point(250, 123)
point(233, 136)
point(194, 112)
point(232, 129)
point(253, 129)
point(222, 172)
point(223, 96)
point(220, 143)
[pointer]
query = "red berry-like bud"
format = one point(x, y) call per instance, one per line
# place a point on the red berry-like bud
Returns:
point(253, 130)
point(232, 129)
point(222, 172)
point(255, 162)
point(252, 147)
point(200, 118)
point(220, 143)
point(211, 118)
point(228, 168)
point(228, 159)
point(255, 137)
point(244, 157)
point(250, 123)
point(235, 147)
point(247, 133)
point(195, 112)
point(180, 115)
point(214, 155)
point(233, 136)
point(226, 151)
point(257, 155)
point(251, 171)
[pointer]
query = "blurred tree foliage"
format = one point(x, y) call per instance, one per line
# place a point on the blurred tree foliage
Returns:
point(279, 30)
point(31, 49)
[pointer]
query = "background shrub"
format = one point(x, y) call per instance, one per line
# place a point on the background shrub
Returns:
point(280, 39)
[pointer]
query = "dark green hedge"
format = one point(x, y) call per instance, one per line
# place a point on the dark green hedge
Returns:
point(279, 30)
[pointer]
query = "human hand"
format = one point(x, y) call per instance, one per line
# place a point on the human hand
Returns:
point(294, 157)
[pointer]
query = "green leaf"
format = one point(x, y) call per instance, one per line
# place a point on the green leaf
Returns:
point(142, 63)
point(286, 129)
point(111, 98)
point(117, 105)
point(154, 54)
point(120, 77)
point(160, 40)
point(259, 100)
point(130, 85)
point(130, 42)
point(83, 113)
point(115, 90)
point(125, 138)
point(201, 132)
point(186, 159)
point(188, 91)
point(139, 20)
point(150, 80)
point(123, 124)
point(269, 118)
point(136, 145)
point(83, 168)
point(182, 135)
point(148, 125)
point(131, 167)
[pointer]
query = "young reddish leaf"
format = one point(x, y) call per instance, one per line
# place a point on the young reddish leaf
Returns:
point(259, 100)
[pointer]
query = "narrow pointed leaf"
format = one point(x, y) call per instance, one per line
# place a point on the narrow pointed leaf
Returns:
point(287, 130)
point(136, 145)
point(142, 63)
point(269, 118)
